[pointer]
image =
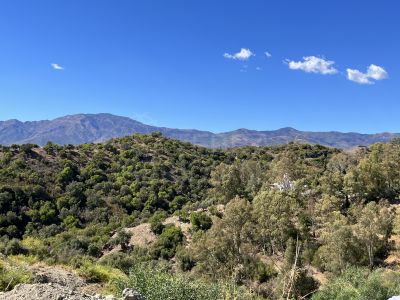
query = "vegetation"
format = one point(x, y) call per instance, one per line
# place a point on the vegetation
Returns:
point(13, 273)
point(293, 221)
point(158, 284)
point(361, 284)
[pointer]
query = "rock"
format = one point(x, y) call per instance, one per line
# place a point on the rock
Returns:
point(131, 294)
point(56, 274)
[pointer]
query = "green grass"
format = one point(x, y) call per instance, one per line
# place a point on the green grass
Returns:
point(13, 273)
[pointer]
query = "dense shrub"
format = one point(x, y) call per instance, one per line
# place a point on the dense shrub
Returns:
point(185, 259)
point(200, 221)
point(360, 284)
point(12, 274)
point(157, 284)
point(14, 247)
point(168, 241)
point(121, 239)
point(156, 222)
point(97, 273)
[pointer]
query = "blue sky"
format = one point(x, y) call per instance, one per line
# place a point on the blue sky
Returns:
point(180, 64)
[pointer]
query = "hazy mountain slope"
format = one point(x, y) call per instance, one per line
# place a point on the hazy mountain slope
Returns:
point(84, 128)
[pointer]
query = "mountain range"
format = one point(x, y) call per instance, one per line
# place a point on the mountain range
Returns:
point(94, 128)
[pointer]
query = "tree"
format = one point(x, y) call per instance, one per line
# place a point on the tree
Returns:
point(326, 210)
point(373, 228)
point(293, 281)
point(340, 247)
point(377, 176)
point(333, 180)
point(66, 176)
point(226, 182)
point(225, 249)
point(287, 163)
point(274, 211)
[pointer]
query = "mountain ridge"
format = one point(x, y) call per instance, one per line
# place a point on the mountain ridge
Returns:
point(94, 128)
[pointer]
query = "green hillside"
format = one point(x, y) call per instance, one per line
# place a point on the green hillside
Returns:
point(278, 222)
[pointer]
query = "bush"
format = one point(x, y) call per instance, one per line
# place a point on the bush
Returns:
point(125, 261)
point(157, 284)
point(200, 221)
point(166, 244)
point(24, 259)
point(35, 246)
point(156, 222)
point(12, 274)
point(185, 259)
point(94, 250)
point(122, 239)
point(359, 284)
point(14, 247)
point(260, 271)
point(177, 203)
point(97, 273)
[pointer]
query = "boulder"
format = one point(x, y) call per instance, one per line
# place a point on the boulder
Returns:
point(131, 294)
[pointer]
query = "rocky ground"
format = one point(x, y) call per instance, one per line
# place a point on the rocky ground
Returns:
point(43, 291)
point(59, 283)
point(57, 274)
point(55, 291)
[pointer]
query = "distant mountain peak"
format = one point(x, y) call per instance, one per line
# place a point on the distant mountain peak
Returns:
point(242, 130)
point(88, 128)
point(287, 129)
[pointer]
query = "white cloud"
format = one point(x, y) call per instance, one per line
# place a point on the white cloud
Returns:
point(244, 54)
point(268, 54)
point(313, 64)
point(258, 68)
point(373, 72)
point(357, 76)
point(57, 67)
point(377, 72)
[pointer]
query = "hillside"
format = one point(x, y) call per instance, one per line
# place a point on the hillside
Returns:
point(88, 128)
point(171, 219)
